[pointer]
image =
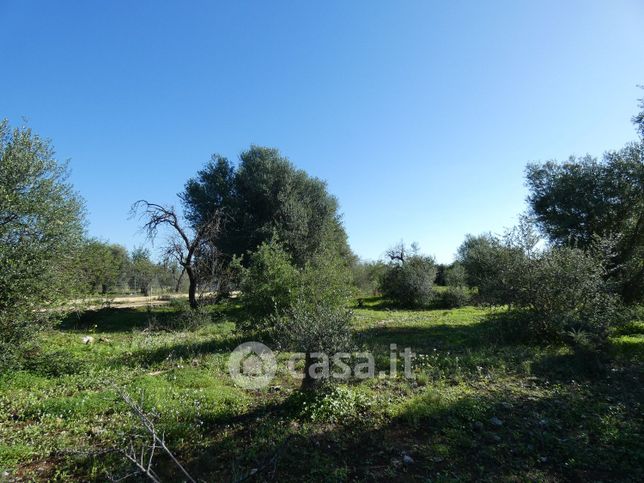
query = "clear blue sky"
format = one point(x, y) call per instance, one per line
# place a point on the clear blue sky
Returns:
point(421, 115)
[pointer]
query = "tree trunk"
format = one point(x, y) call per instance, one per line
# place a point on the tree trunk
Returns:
point(309, 383)
point(178, 286)
point(192, 288)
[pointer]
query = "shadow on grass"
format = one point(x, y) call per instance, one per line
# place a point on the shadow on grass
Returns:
point(179, 351)
point(571, 433)
point(128, 319)
point(109, 320)
point(574, 433)
point(379, 303)
point(453, 336)
point(220, 458)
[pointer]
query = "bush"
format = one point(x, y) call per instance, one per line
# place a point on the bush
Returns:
point(366, 277)
point(455, 297)
point(306, 327)
point(309, 328)
point(409, 279)
point(562, 294)
point(272, 285)
point(494, 266)
point(269, 284)
point(339, 404)
point(566, 292)
point(455, 275)
point(301, 309)
point(559, 293)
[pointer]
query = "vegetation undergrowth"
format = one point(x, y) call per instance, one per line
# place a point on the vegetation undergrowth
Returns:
point(481, 405)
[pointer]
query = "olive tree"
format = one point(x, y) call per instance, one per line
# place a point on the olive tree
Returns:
point(367, 275)
point(103, 266)
point(566, 292)
point(41, 229)
point(578, 200)
point(143, 271)
point(409, 277)
point(551, 292)
point(269, 284)
point(455, 275)
point(262, 197)
point(303, 309)
point(272, 283)
point(492, 265)
point(323, 329)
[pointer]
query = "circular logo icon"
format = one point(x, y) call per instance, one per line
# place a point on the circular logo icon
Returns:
point(252, 365)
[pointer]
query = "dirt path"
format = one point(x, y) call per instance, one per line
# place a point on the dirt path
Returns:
point(125, 302)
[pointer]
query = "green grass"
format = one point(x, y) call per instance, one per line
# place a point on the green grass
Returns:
point(562, 417)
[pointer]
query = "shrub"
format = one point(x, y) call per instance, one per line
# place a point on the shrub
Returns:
point(272, 285)
point(566, 292)
point(366, 276)
point(339, 404)
point(313, 328)
point(309, 328)
point(301, 309)
point(455, 275)
point(269, 284)
point(326, 280)
point(409, 277)
point(455, 297)
point(559, 293)
point(494, 266)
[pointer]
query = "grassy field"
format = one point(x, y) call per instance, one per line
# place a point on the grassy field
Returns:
point(480, 407)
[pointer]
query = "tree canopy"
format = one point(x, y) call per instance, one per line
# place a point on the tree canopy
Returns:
point(264, 197)
point(103, 266)
point(409, 277)
point(41, 228)
point(583, 199)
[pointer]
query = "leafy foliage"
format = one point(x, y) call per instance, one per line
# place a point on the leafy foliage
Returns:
point(264, 197)
point(455, 275)
point(103, 266)
point(367, 275)
point(301, 309)
point(339, 404)
point(270, 283)
point(143, 270)
point(41, 227)
point(581, 199)
point(476, 254)
point(455, 297)
point(409, 277)
point(555, 290)
point(565, 290)
point(313, 328)
point(492, 266)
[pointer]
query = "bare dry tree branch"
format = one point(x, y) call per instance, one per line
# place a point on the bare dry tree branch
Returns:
point(185, 245)
point(143, 459)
